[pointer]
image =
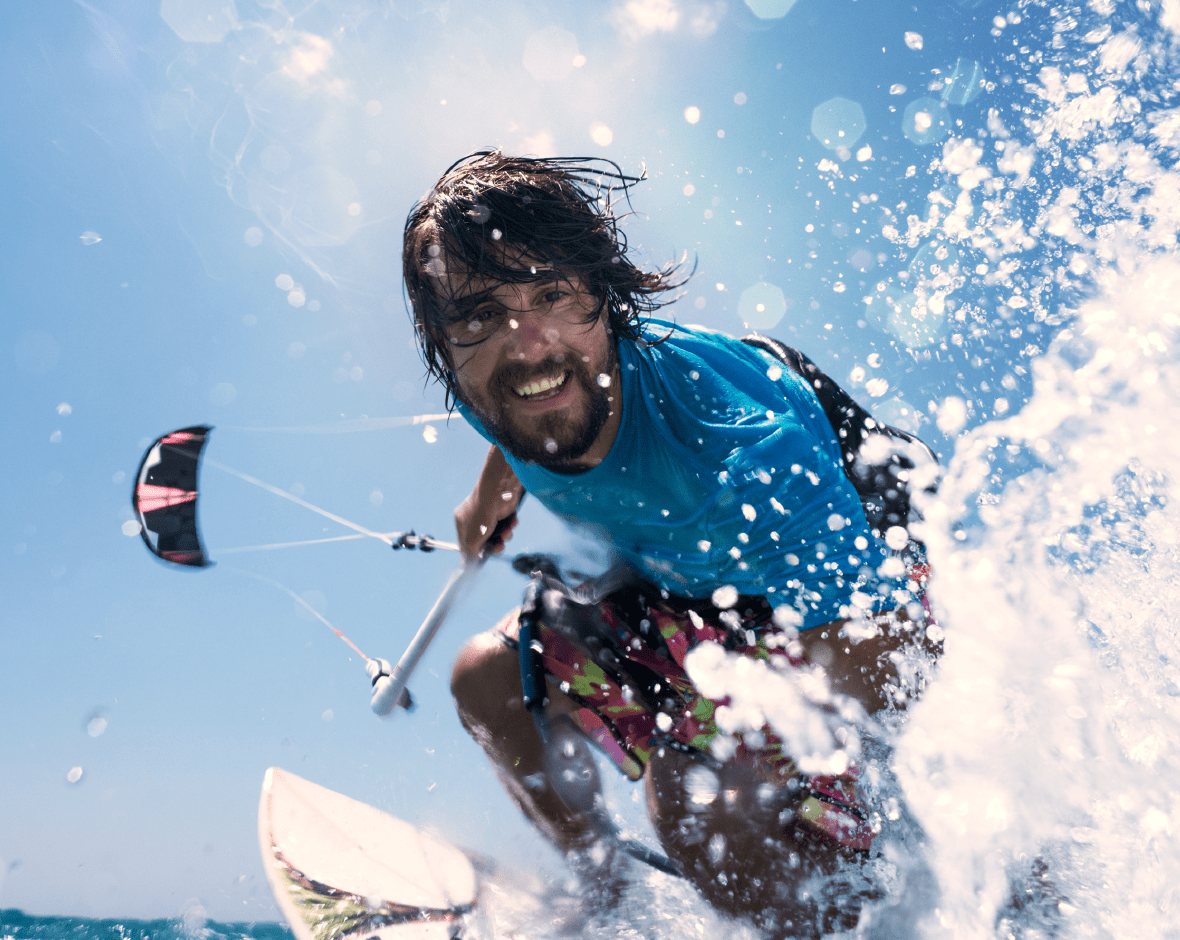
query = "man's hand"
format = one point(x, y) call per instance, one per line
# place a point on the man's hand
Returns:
point(496, 495)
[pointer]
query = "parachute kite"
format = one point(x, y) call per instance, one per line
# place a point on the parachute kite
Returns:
point(165, 497)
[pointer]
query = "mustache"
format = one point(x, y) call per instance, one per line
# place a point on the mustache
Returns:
point(514, 375)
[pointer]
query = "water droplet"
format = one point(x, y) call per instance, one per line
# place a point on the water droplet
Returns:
point(601, 134)
point(725, 596)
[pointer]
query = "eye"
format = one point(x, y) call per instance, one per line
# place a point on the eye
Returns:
point(477, 326)
point(554, 295)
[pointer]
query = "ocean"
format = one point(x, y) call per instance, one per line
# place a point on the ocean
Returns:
point(16, 925)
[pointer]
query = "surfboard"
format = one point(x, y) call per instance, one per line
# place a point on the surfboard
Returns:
point(341, 869)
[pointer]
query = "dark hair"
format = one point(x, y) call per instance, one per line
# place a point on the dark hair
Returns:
point(557, 211)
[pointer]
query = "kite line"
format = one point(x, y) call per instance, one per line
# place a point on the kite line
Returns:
point(392, 539)
point(299, 600)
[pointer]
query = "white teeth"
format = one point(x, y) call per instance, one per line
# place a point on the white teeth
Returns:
point(541, 385)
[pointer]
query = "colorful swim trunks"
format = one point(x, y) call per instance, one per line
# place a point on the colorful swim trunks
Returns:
point(622, 662)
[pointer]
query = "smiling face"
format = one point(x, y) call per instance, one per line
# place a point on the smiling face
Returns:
point(535, 364)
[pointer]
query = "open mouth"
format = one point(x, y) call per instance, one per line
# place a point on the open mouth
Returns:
point(542, 389)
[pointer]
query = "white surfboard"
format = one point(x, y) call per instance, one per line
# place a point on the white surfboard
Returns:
point(340, 869)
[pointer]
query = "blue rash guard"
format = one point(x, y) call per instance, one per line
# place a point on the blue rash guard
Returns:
point(725, 471)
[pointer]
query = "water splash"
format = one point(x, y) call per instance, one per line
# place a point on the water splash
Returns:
point(1052, 727)
point(1042, 762)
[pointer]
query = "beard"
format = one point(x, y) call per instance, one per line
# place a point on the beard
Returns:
point(555, 438)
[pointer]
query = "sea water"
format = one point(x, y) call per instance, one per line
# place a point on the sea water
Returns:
point(192, 925)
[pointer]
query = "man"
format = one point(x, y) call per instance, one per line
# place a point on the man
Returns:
point(711, 468)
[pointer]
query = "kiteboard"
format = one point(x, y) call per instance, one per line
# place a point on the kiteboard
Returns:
point(341, 869)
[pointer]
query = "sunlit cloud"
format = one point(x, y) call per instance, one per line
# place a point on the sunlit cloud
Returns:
point(704, 19)
point(540, 144)
point(638, 18)
point(309, 58)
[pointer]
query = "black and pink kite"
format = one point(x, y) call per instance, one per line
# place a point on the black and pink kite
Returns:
point(165, 497)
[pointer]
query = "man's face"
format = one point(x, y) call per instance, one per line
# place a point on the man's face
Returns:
point(536, 373)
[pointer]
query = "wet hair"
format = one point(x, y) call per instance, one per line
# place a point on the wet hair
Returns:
point(489, 209)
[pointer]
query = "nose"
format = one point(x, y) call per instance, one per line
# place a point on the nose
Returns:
point(532, 334)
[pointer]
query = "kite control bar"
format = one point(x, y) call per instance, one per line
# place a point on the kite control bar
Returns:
point(389, 685)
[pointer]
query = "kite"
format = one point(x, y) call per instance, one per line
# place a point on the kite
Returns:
point(165, 497)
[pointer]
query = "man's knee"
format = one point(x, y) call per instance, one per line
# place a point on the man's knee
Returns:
point(486, 679)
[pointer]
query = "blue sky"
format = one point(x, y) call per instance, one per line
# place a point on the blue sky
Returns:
point(202, 225)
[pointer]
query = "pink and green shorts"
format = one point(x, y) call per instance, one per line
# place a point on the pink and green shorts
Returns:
point(629, 668)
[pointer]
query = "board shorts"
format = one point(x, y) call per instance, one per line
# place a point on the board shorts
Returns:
point(627, 676)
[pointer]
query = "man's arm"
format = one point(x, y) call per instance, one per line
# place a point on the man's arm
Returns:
point(867, 669)
point(496, 495)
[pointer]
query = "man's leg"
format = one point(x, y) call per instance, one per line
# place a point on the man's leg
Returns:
point(488, 697)
point(735, 837)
